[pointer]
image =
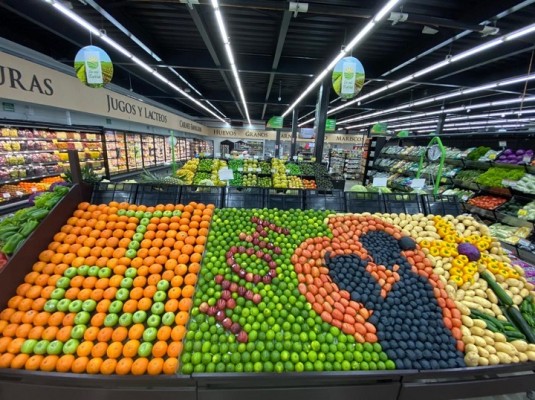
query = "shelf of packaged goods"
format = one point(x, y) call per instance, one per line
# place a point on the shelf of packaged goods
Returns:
point(27, 151)
point(50, 139)
point(29, 178)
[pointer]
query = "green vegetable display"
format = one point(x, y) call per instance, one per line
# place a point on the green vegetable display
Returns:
point(495, 175)
point(477, 153)
point(468, 175)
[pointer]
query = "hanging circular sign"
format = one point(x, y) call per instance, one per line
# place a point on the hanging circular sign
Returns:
point(348, 77)
point(93, 66)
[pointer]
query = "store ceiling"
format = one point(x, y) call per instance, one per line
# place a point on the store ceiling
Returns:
point(187, 39)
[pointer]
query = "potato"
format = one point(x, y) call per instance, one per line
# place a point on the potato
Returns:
point(531, 355)
point(490, 349)
point(470, 348)
point(479, 323)
point(479, 341)
point(483, 352)
point(524, 293)
point(471, 359)
point(507, 348)
point(467, 321)
point(520, 345)
point(491, 296)
point(462, 308)
point(504, 358)
point(517, 299)
point(523, 357)
point(500, 337)
point(489, 339)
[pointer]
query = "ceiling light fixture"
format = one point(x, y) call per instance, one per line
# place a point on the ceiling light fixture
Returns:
point(83, 23)
point(468, 53)
point(230, 56)
point(455, 109)
point(347, 50)
point(457, 93)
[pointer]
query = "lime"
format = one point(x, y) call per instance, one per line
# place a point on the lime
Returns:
point(373, 366)
point(258, 366)
point(368, 347)
point(357, 355)
point(299, 367)
point(367, 356)
point(196, 358)
point(364, 366)
point(390, 365)
point(187, 368)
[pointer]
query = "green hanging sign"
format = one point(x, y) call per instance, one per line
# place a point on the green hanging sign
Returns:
point(330, 125)
point(379, 129)
point(275, 122)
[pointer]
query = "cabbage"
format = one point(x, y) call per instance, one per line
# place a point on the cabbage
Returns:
point(206, 182)
point(358, 188)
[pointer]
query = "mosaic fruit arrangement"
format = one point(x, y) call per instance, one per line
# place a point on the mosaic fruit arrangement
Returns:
point(111, 294)
point(120, 290)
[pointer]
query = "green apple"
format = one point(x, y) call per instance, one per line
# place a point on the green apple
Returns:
point(130, 213)
point(154, 321)
point(150, 334)
point(138, 214)
point(139, 317)
point(28, 346)
point(163, 285)
point(51, 305)
point(89, 305)
point(63, 305)
point(78, 331)
point(168, 318)
point(57, 294)
point(75, 306)
point(104, 272)
point(157, 214)
point(134, 245)
point(70, 272)
point(41, 346)
point(177, 213)
point(141, 229)
point(63, 282)
point(131, 273)
point(131, 253)
point(121, 212)
point(157, 308)
point(127, 283)
point(111, 320)
point(54, 347)
point(82, 270)
point(159, 296)
point(168, 214)
point(147, 215)
point(93, 271)
point(70, 346)
point(122, 294)
point(82, 318)
point(116, 307)
point(138, 237)
point(145, 349)
point(126, 319)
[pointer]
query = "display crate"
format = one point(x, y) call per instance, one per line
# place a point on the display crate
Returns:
point(245, 197)
point(441, 205)
point(359, 202)
point(286, 199)
point(202, 194)
point(158, 194)
point(403, 203)
point(106, 192)
point(333, 200)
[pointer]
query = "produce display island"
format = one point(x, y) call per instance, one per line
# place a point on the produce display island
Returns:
point(260, 298)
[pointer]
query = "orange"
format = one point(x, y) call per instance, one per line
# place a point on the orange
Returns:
point(99, 350)
point(144, 304)
point(188, 291)
point(159, 349)
point(104, 334)
point(119, 334)
point(108, 366)
point(68, 321)
point(181, 318)
point(64, 333)
point(155, 366)
point(33, 363)
point(36, 332)
point(84, 349)
point(136, 331)
point(174, 349)
point(79, 365)
point(124, 366)
point(171, 305)
point(183, 258)
point(130, 348)
point(93, 366)
point(114, 350)
point(19, 361)
point(15, 345)
point(190, 279)
point(170, 366)
point(164, 333)
point(49, 363)
point(177, 281)
point(168, 275)
point(6, 359)
point(91, 333)
point(64, 363)
point(137, 292)
point(139, 367)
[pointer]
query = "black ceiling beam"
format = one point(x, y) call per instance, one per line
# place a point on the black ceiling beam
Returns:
point(285, 24)
point(211, 49)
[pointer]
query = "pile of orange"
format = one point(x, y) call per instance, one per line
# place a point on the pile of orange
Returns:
point(99, 236)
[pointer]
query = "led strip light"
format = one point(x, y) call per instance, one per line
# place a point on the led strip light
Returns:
point(230, 55)
point(94, 31)
point(358, 38)
point(468, 53)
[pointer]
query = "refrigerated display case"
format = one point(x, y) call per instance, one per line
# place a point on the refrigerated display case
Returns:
point(134, 154)
point(148, 151)
point(160, 151)
point(116, 152)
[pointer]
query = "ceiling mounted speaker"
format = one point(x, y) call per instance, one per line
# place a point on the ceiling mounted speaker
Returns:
point(429, 31)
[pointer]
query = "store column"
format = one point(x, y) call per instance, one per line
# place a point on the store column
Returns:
point(440, 124)
point(278, 144)
point(293, 143)
point(321, 117)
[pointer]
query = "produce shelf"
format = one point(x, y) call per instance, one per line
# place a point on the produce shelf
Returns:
point(441, 205)
point(405, 203)
point(245, 197)
point(364, 202)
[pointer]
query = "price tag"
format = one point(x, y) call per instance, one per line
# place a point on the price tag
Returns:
point(294, 158)
point(287, 171)
point(526, 159)
point(258, 170)
point(226, 174)
point(418, 183)
point(380, 182)
point(6, 195)
point(502, 143)
point(19, 193)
